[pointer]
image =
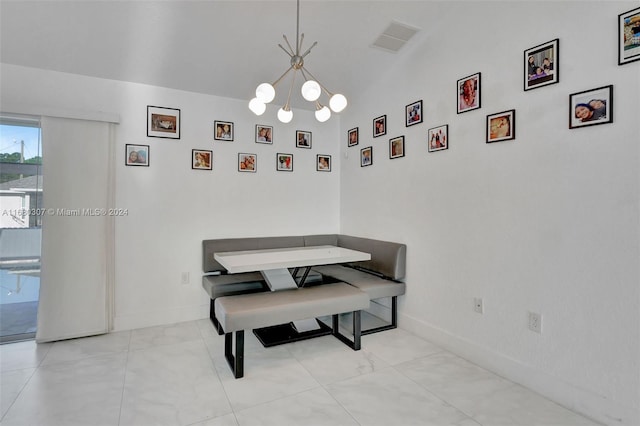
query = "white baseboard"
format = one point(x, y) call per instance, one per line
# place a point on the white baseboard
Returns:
point(588, 403)
point(163, 317)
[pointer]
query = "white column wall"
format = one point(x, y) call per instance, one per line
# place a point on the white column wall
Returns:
point(546, 223)
point(172, 208)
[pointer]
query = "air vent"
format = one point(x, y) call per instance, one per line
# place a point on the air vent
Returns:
point(394, 37)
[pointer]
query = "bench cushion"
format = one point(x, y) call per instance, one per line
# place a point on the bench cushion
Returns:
point(375, 287)
point(387, 258)
point(249, 311)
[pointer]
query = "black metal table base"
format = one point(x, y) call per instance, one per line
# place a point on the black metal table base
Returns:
point(286, 333)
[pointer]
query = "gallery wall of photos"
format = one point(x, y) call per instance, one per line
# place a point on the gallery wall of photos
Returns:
point(540, 68)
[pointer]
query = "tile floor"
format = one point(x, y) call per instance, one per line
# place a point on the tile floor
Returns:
point(177, 375)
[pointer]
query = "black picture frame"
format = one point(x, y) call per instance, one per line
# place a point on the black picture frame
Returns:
point(201, 159)
point(380, 126)
point(163, 122)
point(501, 126)
point(542, 65)
point(303, 139)
point(629, 36)
point(323, 163)
point(247, 163)
point(591, 107)
point(413, 113)
point(438, 138)
point(396, 147)
point(223, 130)
point(468, 91)
point(352, 137)
point(136, 155)
point(284, 162)
point(264, 134)
point(366, 156)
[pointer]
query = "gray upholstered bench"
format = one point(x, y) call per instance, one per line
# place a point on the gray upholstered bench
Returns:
point(248, 311)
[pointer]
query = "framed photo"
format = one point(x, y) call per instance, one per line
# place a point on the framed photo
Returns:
point(629, 36)
point(438, 138)
point(541, 66)
point(201, 159)
point(591, 107)
point(413, 113)
point(380, 126)
point(264, 134)
point(284, 162)
point(501, 126)
point(353, 137)
point(224, 130)
point(247, 162)
point(396, 147)
point(366, 156)
point(323, 163)
point(303, 139)
point(163, 122)
point(468, 93)
point(137, 155)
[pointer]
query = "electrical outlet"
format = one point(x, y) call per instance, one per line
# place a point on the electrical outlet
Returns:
point(184, 279)
point(478, 305)
point(535, 322)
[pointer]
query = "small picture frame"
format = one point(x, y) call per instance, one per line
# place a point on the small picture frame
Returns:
point(591, 107)
point(501, 126)
point(380, 126)
point(396, 147)
point(223, 130)
point(438, 138)
point(366, 156)
point(163, 122)
point(413, 113)
point(303, 139)
point(264, 134)
point(247, 162)
point(352, 137)
point(201, 159)
point(323, 163)
point(629, 36)
point(136, 155)
point(468, 91)
point(541, 66)
point(284, 162)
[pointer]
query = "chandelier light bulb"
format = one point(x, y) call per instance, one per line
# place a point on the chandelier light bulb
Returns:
point(285, 115)
point(257, 106)
point(265, 93)
point(323, 114)
point(311, 90)
point(338, 102)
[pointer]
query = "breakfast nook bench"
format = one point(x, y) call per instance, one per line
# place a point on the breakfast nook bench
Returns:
point(249, 311)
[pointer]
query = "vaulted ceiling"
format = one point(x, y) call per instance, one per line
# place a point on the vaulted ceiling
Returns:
point(220, 47)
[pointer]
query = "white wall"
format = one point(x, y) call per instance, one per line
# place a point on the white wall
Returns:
point(546, 223)
point(172, 208)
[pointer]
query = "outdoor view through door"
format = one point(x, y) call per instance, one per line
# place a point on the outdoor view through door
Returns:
point(20, 226)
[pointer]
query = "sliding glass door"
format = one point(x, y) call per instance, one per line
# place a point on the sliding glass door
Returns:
point(21, 215)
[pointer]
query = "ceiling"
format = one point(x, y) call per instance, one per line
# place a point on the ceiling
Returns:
point(220, 47)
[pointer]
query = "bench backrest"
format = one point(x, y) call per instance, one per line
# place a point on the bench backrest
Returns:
point(387, 258)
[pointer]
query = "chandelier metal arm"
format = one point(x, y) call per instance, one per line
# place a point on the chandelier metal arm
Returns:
point(282, 76)
point(309, 49)
point(289, 44)
point(293, 79)
point(285, 50)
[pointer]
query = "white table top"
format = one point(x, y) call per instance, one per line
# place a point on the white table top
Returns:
point(261, 260)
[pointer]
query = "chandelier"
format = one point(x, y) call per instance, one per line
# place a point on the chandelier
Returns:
point(311, 90)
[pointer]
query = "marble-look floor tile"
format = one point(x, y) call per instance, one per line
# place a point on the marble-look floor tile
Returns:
point(11, 384)
point(341, 364)
point(164, 335)
point(16, 356)
point(311, 408)
point(269, 374)
point(83, 392)
point(227, 420)
point(387, 397)
point(172, 385)
point(74, 349)
point(397, 346)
